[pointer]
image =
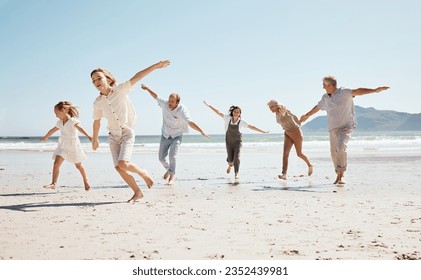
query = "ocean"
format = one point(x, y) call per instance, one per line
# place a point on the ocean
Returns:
point(363, 141)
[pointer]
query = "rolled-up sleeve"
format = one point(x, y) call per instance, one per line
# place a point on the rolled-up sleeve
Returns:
point(184, 114)
point(321, 104)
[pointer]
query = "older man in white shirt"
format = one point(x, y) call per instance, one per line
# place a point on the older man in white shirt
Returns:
point(339, 105)
point(175, 122)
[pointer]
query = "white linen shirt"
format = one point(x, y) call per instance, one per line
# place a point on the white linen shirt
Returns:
point(227, 119)
point(174, 122)
point(116, 107)
point(340, 109)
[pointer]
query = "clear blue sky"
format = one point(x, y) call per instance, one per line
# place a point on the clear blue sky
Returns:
point(224, 52)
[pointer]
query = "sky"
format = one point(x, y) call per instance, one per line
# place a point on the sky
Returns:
point(236, 52)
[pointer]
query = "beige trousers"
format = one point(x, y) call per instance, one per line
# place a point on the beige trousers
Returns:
point(339, 138)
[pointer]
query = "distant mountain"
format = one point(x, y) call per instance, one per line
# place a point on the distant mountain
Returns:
point(370, 119)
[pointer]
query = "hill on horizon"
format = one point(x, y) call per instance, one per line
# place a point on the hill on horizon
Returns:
point(370, 119)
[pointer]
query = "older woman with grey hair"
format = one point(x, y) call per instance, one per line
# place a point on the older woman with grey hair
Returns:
point(292, 136)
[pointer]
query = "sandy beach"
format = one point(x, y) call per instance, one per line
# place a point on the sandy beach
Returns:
point(207, 214)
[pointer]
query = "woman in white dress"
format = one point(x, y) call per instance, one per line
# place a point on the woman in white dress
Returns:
point(69, 147)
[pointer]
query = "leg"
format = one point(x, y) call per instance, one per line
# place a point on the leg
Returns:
point(130, 167)
point(125, 154)
point(131, 182)
point(121, 147)
point(230, 155)
point(83, 173)
point(164, 146)
point(298, 144)
point(174, 147)
point(56, 170)
point(287, 149)
point(333, 139)
point(237, 150)
point(343, 136)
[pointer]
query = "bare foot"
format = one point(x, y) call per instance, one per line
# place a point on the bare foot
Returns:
point(310, 170)
point(51, 186)
point(87, 186)
point(165, 177)
point(136, 196)
point(171, 180)
point(229, 169)
point(145, 176)
point(282, 177)
point(237, 176)
point(339, 178)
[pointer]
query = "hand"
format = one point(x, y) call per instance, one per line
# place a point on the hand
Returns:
point(303, 119)
point(266, 132)
point(43, 139)
point(205, 135)
point(89, 137)
point(95, 145)
point(163, 64)
point(206, 103)
point(379, 89)
point(144, 87)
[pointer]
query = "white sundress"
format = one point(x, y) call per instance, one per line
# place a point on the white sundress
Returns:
point(69, 144)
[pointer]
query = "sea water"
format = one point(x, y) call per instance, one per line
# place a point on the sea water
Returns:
point(360, 141)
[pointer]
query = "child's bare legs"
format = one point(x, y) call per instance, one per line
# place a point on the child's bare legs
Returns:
point(123, 168)
point(83, 173)
point(127, 166)
point(132, 183)
point(56, 170)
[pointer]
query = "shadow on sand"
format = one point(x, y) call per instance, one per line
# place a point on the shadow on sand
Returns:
point(30, 207)
point(307, 188)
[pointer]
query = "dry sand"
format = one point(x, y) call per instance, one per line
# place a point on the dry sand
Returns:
point(206, 214)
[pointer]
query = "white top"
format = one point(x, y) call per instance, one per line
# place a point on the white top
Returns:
point(69, 146)
point(340, 109)
point(116, 107)
point(174, 122)
point(227, 119)
point(68, 130)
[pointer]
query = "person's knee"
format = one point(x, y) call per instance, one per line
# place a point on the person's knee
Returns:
point(78, 166)
point(161, 159)
point(342, 148)
point(122, 164)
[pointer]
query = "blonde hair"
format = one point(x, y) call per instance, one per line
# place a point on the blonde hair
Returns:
point(68, 107)
point(280, 106)
point(330, 79)
point(273, 102)
point(110, 78)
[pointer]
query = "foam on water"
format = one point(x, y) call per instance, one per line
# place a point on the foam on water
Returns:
point(196, 143)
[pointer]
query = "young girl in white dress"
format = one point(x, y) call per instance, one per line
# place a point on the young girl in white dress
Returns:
point(69, 147)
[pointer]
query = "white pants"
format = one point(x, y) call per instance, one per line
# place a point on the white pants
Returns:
point(339, 138)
